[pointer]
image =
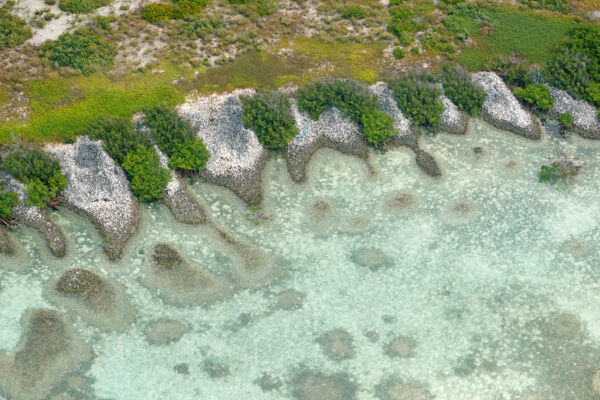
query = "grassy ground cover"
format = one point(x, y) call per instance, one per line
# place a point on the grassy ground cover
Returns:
point(530, 34)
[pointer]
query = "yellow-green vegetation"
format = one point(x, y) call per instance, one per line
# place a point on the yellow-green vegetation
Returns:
point(512, 31)
point(62, 108)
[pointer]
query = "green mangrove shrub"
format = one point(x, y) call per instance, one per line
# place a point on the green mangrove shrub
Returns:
point(537, 95)
point(134, 152)
point(176, 138)
point(118, 137)
point(418, 100)
point(269, 115)
point(559, 170)
point(13, 30)
point(83, 50)
point(461, 90)
point(566, 121)
point(39, 172)
point(8, 201)
point(146, 177)
point(575, 64)
point(353, 101)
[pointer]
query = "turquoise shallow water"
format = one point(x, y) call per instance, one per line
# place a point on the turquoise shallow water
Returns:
point(490, 278)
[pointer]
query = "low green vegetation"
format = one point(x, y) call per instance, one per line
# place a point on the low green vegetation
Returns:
point(419, 100)
point(146, 177)
point(176, 138)
point(461, 90)
point(398, 53)
point(402, 22)
point(8, 201)
point(575, 64)
point(512, 31)
point(262, 8)
point(514, 71)
point(133, 151)
point(536, 95)
point(82, 50)
point(13, 30)
point(465, 19)
point(561, 170)
point(39, 172)
point(354, 101)
point(81, 6)
point(177, 9)
point(268, 114)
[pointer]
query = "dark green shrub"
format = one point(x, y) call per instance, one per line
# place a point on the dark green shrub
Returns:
point(554, 5)
point(354, 11)
point(81, 6)
point(418, 100)
point(8, 201)
point(176, 138)
point(537, 95)
point(398, 53)
point(82, 50)
point(269, 115)
point(566, 120)
point(378, 127)
point(146, 177)
point(39, 172)
point(118, 137)
point(402, 20)
point(513, 71)
point(563, 170)
point(575, 64)
point(461, 90)
point(352, 99)
point(13, 30)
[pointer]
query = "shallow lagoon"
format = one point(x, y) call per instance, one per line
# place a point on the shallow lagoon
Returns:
point(490, 277)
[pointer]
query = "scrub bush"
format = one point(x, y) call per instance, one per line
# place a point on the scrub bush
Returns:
point(418, 100)
point(513, 71)
point(566, 121)
point(146, 177)
point(554, 5)
point(353, 11)
point(461, 90)
point(402, 20)
point(560, 170)
point(81, 6)
point(39, 172)
point(13, 30)
point(82, 50)
point(398, 53)
point(176, 138)
point(537, 95)
point(353, 101)
point(118, 137)
point(465, 19)
point(269, 115)
point(156, 12)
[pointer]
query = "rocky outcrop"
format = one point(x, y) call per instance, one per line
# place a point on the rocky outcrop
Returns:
point(502, 109)
point(407, 131)
point(5, 244)
point(236, 156)
point(182, 204)
point(99, 190)
point(585, 116)
point(332, 130)
point(452, 119)
point(36, 218)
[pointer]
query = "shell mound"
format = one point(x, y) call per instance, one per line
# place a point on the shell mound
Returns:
point(48, 351)
point(98, 189)
point(98, 301)
point(585, 116)
point(502, 109)
point(236, 156)
point(36, 218)
point(452, 119)
point(182, 204)
point(332, 130)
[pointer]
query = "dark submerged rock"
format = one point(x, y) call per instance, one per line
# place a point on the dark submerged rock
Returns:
point(427, 163)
